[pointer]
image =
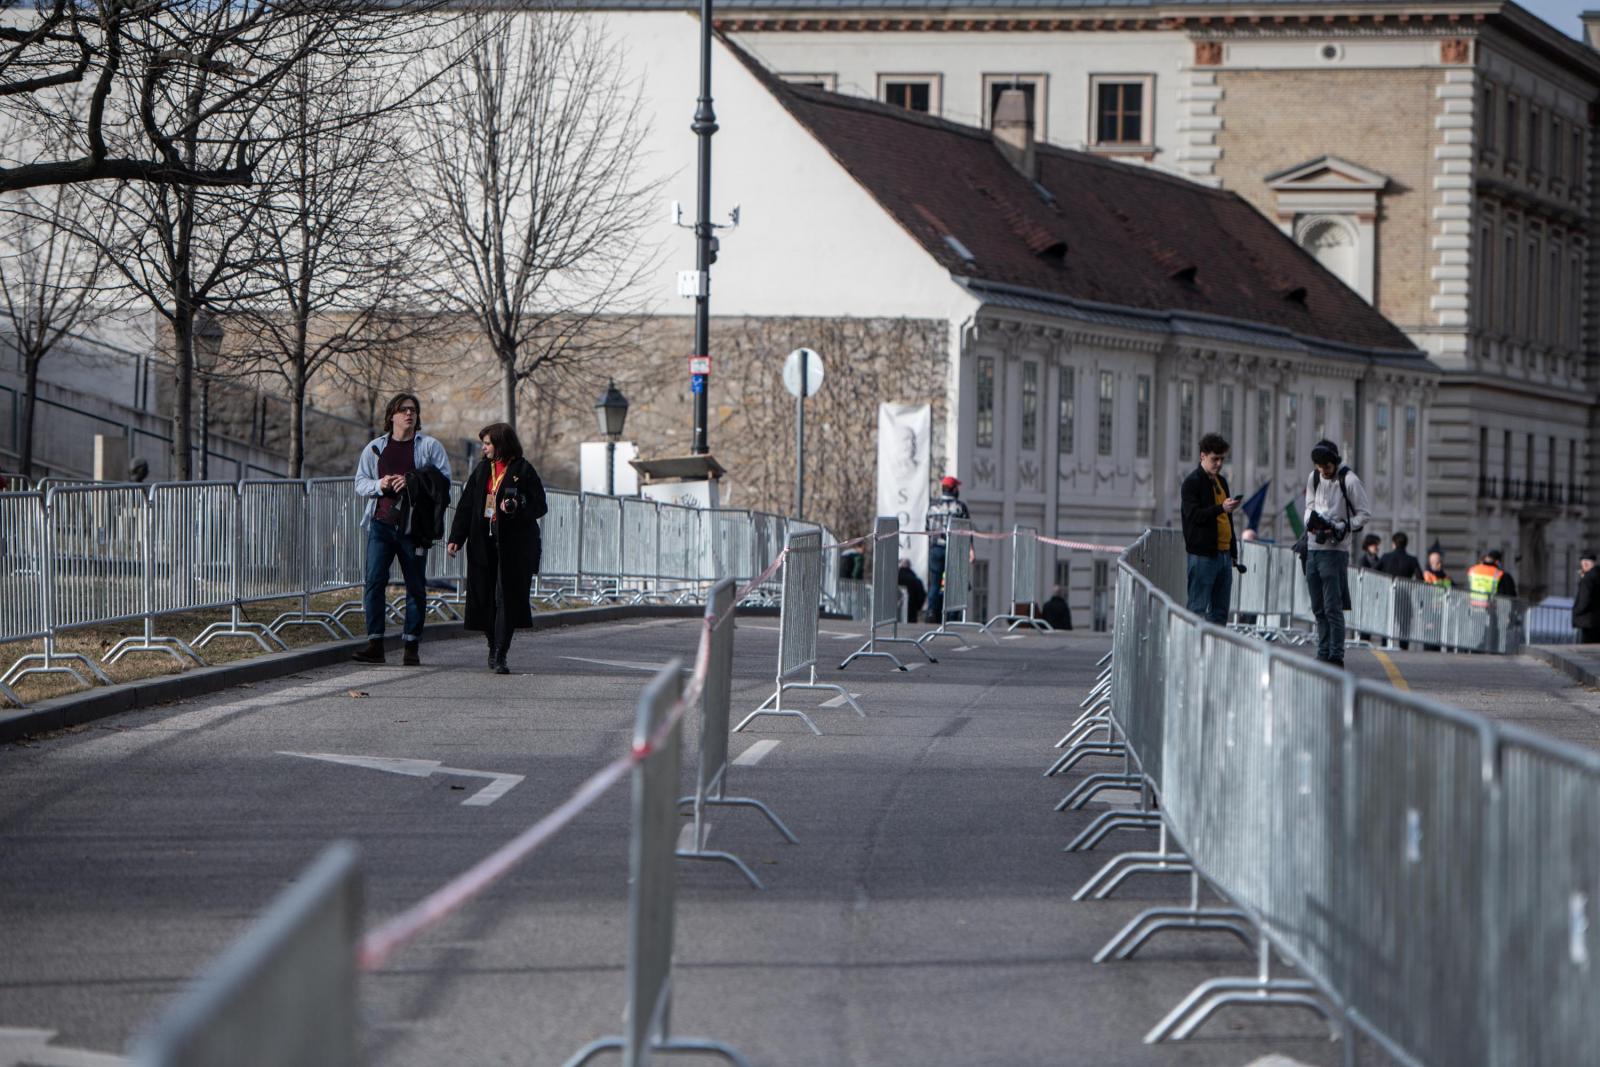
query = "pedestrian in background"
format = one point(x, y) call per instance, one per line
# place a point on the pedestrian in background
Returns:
point(1435, 574)
point(916, 592)
point(940, 512)
point(1398, 563)
point(497, 521)
point(1337, 506)
point(1056, 611)
point(1368, 560)
point(1586, 604)
point(1207, 508)
point(381, 474)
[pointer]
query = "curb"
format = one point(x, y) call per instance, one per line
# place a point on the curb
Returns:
point(1575, 667)
point(75, 709)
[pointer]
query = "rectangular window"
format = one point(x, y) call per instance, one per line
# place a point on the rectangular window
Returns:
point(1319, 417)
point(1381, 439)
point(829, 82)
point(1187, 438)
point(914, 92)
point(1347, 427)
point(1065, 428)
point(1535, 140)
point(1508, 286)
point(1291, 429)
point(1225, 412)
point(1575, 305)
point(1483, 462)
point(1030, 405)
point(1575, 162)
point(1100, 606)
point(1141, 425)
point(985, 398)
point(980, 589)
point(1488, 120)
point(1556, 142)
point(1484, 297)
point(1033, 89)
point(1108, 393)
point(1064, 577)
point(1527, 469)
point(1505, 464)
point(1121, 110)
point(1530, 311)
point(1264, 429)
point(1513, 145)
point(1550, 464)
point(1410, 461)
point(1572, 470)
point(1552, 324)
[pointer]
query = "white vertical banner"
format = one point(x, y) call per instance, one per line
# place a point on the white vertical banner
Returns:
point(905, 438)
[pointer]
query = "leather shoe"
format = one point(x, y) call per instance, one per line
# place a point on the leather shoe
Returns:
point(500, 664)
point(411, 659)
point(371, 653)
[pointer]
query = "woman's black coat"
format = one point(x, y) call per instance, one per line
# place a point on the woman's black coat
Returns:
point(515, 542)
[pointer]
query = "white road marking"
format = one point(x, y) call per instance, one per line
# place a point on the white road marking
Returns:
point(915, 666)
point(686, 836)
point(627, 664)
point(499, 785)
point(836, 702)
point(837, 635)
point(32, 1047)
point(754, 754)
point(1013, 637)
point(963, 648)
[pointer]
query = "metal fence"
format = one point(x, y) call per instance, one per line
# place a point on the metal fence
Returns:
point(78, 554)
point(1428, 871)
point(1272, 593)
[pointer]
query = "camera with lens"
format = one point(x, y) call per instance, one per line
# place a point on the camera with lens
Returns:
point(511, 503)
point(1321, 530)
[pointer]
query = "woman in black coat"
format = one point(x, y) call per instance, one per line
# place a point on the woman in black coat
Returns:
point(497, 519)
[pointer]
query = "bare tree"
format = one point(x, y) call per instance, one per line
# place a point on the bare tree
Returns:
point(531, 182)
point(335, 271)
point(117, 89)
point(49, 278)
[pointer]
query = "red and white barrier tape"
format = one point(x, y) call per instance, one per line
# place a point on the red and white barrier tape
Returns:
point(985, 535)
point(379, 944)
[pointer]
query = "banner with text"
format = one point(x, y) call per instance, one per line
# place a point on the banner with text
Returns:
point(905, 438)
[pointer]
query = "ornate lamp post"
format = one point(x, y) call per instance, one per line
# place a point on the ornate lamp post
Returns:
point(610, 412)
point(207, 347)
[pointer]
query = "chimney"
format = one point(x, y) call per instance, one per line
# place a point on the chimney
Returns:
point(1013, 131)
point(1591, 28)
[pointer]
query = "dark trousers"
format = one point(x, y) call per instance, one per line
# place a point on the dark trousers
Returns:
point(936, 583)
point(1590, 635)
point(1210, 587)
point(498, 635)
point(384, 545)
point(1325, 575)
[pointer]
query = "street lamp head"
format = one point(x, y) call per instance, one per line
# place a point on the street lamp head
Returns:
point(611, 411)
point(207, 336)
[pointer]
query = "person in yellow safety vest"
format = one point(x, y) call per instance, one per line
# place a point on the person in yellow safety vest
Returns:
point(1485, 578)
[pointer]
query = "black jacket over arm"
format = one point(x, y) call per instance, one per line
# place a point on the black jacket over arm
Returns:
point(510, 557)
point(1586, 604)
point(1200, 511)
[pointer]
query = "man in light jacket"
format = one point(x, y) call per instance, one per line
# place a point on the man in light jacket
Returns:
point(381, 478)
point(1336, 508)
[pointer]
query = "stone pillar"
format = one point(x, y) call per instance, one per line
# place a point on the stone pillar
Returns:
point(110, 458)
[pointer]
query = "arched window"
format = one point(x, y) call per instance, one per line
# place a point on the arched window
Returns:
point(1333, 242)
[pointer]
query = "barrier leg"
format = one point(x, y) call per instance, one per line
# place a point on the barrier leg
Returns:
point(1091, 786)
point(311, 618)
point(1162, 861)
point(773, 705)
point(238, 627)
point(150, 641)
point(1108, 821)
point(722, 857)
point(1152, 921)
point(1071, 756)
point(1182, 1021)
point(11, 695)
point(867, 651)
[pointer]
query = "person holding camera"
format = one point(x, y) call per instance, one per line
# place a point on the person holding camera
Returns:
point(497, 520)
point(1337, 506)
point(1208, 539)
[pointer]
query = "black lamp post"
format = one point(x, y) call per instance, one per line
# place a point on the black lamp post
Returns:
point(610, 412)
point(705, 124)
point(207, 347)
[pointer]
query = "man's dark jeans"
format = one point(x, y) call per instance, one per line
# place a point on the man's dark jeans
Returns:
point(936, 583)
point(1210, 586)
point(1325, 577)
point(384, 543)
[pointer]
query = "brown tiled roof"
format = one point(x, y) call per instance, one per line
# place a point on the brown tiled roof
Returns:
point(1091, 231)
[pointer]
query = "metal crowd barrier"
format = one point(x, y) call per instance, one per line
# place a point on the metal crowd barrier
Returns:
point(653, 886)
point(711, 774)
point(797, 630)
point(1024, 581)
point(1272, 594)
point(957, 586)
point(1427, 871)
point(883, 604)
point(284, 994)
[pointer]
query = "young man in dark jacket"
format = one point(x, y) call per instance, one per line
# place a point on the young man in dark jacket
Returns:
point(1399, 563)
point(1208, 537)
point(1586, 605)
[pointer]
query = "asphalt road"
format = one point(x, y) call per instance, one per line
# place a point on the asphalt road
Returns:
point(924, 918)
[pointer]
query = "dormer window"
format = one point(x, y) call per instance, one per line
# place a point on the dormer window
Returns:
point(1330, 207)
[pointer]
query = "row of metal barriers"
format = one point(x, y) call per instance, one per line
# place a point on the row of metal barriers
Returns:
point(1428, 873)
point(76, 555)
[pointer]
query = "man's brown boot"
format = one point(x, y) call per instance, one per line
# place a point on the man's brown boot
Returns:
point(411, 659)
point(372, 653)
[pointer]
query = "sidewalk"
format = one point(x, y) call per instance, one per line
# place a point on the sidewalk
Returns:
point(1580, 662)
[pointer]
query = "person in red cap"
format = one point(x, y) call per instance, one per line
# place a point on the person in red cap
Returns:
point(940, 512)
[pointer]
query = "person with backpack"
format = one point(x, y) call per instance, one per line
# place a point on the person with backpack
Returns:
point(1337, 506)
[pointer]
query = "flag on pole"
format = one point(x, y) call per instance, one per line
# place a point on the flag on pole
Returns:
point(1253, 507)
